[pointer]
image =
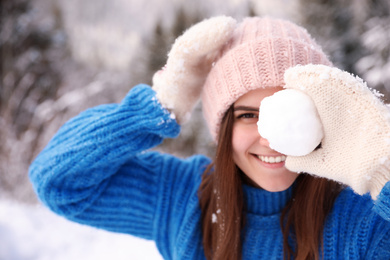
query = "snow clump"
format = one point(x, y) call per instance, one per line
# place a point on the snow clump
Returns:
point(290, 122)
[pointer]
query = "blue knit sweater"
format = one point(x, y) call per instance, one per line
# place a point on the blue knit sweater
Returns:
point(97, 171)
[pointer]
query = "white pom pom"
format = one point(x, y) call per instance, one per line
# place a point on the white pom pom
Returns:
point(290, 122)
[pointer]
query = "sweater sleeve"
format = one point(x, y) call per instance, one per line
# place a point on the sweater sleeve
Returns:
point(378, 235)
point(382, 204)
point(374, 227)
point(96, 169)
point(354, 230)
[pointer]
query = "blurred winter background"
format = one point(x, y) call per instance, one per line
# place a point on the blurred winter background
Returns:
point(61, 57)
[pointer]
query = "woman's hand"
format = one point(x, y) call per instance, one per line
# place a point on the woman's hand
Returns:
point(179, 84)
point(355, 149)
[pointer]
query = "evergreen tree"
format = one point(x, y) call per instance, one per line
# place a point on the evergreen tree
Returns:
point(350, 36)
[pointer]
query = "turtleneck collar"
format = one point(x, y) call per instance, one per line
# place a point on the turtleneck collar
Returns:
point(265, 203)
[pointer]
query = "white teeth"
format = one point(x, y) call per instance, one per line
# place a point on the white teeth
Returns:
point(270, 159)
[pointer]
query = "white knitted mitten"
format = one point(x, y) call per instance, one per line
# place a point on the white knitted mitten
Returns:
point(179, 85)
point(355, 149)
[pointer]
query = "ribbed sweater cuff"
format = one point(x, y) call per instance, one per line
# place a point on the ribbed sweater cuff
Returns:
point(150, 115)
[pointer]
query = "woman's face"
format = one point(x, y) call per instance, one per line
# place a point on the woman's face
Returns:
point(252, 154)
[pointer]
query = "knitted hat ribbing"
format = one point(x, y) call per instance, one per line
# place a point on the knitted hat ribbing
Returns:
point(256, 56)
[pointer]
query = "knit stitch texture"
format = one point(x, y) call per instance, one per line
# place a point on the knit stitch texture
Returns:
point(256, 56)
point(356, 144)
point(98, 171)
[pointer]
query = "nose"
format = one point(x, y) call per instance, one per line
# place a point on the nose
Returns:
point(263, 141)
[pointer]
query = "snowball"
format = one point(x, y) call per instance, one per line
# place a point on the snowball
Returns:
point(290, 122)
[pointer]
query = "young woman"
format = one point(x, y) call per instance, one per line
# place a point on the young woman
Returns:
point(250, 201)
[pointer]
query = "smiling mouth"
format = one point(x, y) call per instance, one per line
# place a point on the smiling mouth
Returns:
point(272, 159)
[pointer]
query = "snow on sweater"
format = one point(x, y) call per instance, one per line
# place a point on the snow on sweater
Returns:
point(97, 171)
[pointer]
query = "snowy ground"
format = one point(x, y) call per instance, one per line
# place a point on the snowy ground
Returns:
point(34, 233)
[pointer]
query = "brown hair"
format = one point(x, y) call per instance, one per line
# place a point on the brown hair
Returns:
point(222, 204)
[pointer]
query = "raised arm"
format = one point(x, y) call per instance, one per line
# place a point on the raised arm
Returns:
point(97, 170)
point(80, 174)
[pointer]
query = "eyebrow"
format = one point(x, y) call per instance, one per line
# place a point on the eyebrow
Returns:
point(246, 108)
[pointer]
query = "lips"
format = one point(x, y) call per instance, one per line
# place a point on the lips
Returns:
point(272, 159)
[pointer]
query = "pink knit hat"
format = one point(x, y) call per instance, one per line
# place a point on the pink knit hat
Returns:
point(257, 55)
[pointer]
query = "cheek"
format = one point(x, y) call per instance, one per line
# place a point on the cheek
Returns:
point(240, 140)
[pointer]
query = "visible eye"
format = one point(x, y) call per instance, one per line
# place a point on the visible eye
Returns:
point(247, 118)
point(247, 115)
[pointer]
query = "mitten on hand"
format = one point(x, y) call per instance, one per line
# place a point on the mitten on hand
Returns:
point(179, 84)
point(355, 149)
